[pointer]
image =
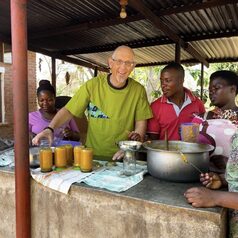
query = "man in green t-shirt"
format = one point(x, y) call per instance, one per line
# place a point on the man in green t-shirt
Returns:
point(117, 107)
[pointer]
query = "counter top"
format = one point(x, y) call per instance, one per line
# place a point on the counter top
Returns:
point(152, 208)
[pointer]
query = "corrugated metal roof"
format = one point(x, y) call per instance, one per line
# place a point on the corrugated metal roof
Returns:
point(144, 55)
point(91, 29)
point(222, 48)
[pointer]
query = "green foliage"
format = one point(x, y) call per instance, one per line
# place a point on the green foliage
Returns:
point(225, 66)
point(156, 94)
point(196, 74)
point(149, 78)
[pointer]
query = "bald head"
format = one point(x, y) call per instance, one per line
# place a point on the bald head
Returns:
point(121, 64)
point(123, 49)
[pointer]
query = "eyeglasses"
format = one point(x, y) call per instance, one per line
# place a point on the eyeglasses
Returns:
point(128, 64)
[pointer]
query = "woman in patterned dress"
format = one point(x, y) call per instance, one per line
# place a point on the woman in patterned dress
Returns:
point(223, 89)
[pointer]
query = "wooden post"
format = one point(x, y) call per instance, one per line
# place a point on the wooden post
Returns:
point(20, 112)
point(53, 73)
point(178, 52)
point(95, 71)
point(202, 80)
point(1, 52)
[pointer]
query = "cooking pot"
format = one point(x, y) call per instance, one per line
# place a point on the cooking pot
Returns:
point(170, 165)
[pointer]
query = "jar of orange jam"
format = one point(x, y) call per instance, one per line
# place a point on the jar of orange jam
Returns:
point(86, 163)
point(69, 154)
point(77, 155)
point(46, 159)
point(60, 157)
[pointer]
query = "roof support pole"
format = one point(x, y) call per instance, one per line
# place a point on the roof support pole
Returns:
point(95, 71)
point(53, 72)
point(178, 52)
point(202, 80)
point(1, 52)
point(20, 106)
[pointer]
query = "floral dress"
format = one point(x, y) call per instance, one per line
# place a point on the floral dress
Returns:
point(232, 179)
point(228, 114)
point(232, 165)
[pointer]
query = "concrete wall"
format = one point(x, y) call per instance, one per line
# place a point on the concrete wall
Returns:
point(91, 213)
point(6, 129)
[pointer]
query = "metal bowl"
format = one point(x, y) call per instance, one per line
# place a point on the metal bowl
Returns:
point(129, 145)
point(169, 164)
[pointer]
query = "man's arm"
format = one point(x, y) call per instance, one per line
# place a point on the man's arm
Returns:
point(139, 132)
point(59, 119)
point(62, 116)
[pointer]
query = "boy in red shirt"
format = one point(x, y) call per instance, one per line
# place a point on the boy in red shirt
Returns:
point(177, 105)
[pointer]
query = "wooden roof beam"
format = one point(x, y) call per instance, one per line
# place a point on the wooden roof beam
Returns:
point(141, 8)
point(111, 47)
point(84, 27)
point(70, 59)
point(150, 42)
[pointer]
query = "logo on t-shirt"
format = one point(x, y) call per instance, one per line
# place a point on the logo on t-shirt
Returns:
point(94, 111)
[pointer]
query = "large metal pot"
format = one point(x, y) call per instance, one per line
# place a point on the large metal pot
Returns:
point(169, 164)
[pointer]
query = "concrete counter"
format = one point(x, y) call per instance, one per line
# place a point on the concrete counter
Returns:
point(153, 208)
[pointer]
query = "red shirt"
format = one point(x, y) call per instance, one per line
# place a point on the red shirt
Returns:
point(165, 118)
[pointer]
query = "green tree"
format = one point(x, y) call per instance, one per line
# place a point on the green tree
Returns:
point(225, 66)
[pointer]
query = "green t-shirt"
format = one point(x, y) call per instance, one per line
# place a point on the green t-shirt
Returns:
point(111, 112)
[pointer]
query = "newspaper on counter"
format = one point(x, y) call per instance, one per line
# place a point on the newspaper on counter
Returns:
point(59, 180)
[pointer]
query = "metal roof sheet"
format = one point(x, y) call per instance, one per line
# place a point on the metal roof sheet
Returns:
point(91, 29)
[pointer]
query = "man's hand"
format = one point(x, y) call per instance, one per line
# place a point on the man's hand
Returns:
point(47, 133)
point(134, 136)
point(118, 155)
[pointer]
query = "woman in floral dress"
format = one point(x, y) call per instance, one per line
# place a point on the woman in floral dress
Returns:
point(223, 89)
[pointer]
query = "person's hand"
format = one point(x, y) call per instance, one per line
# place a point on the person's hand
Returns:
point(44, 134)
point(68, 133)
point(134, 136)
point(211, 180)
point(201, 197)
point(118, 155)
point(31, 136)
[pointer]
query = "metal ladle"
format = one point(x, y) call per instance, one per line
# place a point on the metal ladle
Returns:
point(185, 160)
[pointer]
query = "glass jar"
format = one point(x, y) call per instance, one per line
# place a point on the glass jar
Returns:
point(77, 155)
point(60, 157)
point(46, 159)
point(86, 163)
point(129, 163)
point(69, 154)
point(189, 132)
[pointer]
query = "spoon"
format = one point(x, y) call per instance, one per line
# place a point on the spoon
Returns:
point(166, 140)
point(185, 160)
